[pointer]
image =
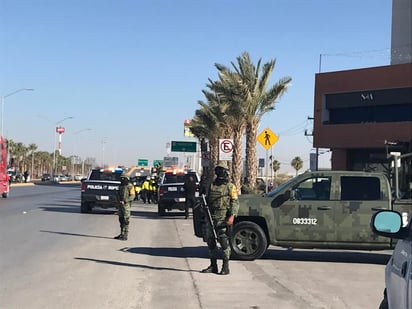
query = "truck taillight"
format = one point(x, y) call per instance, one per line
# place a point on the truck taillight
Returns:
point(161, 191)
point(83, 187)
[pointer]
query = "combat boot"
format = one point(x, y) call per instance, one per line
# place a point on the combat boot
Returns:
point(123, 237)
point(225, 268)
point(212, 267)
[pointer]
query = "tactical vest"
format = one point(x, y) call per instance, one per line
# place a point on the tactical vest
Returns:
point(219, 200)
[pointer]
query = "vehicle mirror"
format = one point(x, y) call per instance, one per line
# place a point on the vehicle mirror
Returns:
point(387, 222)
point(291, 195)
point(280, 199)
point(287, 195)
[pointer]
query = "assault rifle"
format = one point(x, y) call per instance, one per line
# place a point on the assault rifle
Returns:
point(208, 216)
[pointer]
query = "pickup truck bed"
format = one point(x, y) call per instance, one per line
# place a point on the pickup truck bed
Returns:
point(100, 189)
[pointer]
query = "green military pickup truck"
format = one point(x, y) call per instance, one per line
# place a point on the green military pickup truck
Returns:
point(321, 209)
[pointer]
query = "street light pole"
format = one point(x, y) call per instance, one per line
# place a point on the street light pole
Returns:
point(78, 157)
point(54, 150)
point(3, 101)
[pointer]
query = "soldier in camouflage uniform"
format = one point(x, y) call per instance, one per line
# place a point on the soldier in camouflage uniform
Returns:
point(126, 197)
point(223, 203)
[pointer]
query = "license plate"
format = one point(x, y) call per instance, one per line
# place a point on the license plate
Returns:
point(172, 189)
point(104, 198)
point(182, 199)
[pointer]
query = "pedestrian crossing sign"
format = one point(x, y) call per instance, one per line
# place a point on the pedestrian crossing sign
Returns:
point(267, 138)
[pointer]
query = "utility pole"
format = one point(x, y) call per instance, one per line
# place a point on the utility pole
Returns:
point(317, 149)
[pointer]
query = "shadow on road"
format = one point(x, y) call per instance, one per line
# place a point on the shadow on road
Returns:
point(74, 208)
point(116, 263)
point(184, 252)
point(75, 234)
point(150, 214)
point(60, 208)
point(327, 256)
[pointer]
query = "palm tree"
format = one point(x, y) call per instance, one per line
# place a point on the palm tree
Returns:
point(228, 93)
point(297, 164)
point(204, 127)
point(275, 167)
point(44, 162)
point(243, 99)
point(258, 100)
point(32, 148)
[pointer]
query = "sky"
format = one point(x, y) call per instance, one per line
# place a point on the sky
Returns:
point(121, 76)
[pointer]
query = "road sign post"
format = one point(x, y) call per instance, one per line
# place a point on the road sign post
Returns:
point(142, 162)
point(225, 149)
point(178, 146)
point(267, 139)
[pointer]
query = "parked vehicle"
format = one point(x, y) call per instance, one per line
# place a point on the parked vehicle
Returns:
point(320, 209)
point(171, 193)
point(398, 270)
point(15, 176)
point(79, 177)
point(100, 189)
point(46, 177)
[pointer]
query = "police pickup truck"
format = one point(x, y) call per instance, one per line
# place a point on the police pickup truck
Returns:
point(171, 192)
point(321, 209)
point(100, 189)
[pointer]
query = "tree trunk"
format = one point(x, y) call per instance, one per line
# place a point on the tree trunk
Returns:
point(237, 158)
point(214, 157)
point(251, 155)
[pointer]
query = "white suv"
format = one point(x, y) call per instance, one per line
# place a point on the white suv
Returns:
point(398, 271)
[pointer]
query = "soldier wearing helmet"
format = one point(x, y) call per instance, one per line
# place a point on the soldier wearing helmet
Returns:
point(223, 203)
point(126, 197)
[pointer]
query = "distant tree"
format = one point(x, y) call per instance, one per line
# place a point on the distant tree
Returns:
point(32, 148)
point(275, 167)
point(297, 164)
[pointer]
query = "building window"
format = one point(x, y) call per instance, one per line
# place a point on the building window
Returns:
point(385, 105)
point(389, 113)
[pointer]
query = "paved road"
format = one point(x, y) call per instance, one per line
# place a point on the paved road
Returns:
point(54, 257)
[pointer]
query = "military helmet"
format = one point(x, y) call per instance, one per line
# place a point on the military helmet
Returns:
point(222, 164)
point(124, 177)
point(221, 170)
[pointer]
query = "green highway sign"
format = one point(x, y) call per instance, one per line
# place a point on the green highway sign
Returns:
point(142, 162)
point(184, 146)
point(156, 163)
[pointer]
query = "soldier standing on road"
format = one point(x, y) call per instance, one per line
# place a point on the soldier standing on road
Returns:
point(190, 187)
point(223, 203)
point(126, 197)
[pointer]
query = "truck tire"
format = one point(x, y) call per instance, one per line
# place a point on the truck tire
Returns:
point(5, 194)
point(248, 241)
point(85, 207)
point(160, 209)
point(384, 304)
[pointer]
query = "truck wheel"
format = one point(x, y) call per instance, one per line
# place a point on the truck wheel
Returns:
point(160, 210)
point(248, 241)
point(5, 194)
point(85, 208)
point(384, 304)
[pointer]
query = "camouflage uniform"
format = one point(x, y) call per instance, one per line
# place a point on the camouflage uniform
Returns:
point(223, 203)
point(126, 197)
